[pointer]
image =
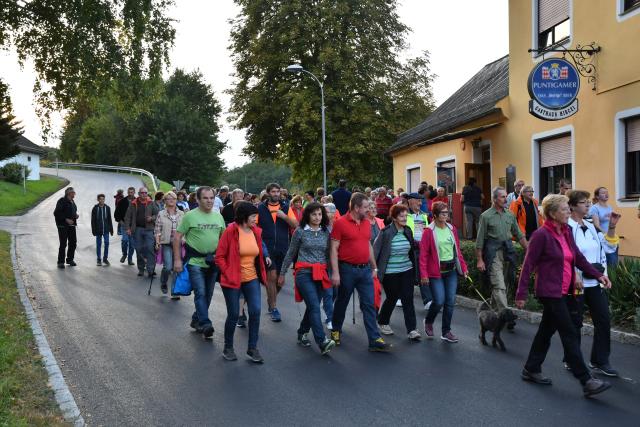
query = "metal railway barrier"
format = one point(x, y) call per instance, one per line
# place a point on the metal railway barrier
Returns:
point(109, 168)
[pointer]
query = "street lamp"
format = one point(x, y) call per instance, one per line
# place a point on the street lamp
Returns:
point(297, 68)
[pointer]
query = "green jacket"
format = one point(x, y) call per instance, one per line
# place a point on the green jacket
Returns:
point(411, 224)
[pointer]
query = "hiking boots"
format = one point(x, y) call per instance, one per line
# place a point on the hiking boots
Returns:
point(335, 336)
point(303, 340)
point(379, 346)
point(326, 346)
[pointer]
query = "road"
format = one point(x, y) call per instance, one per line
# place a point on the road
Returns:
point(131, 359)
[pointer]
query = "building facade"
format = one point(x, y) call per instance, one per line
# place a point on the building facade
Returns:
point(485, 129)
point(29, 155)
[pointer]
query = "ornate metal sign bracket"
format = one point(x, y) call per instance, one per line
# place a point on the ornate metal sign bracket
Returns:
point(583, 58)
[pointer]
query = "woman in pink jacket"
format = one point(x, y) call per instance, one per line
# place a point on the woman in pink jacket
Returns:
point(441, 262)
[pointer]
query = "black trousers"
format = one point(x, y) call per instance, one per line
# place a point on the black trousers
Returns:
point(556, 317)
point(67, 237)
point(596, 298)
point(399, 286)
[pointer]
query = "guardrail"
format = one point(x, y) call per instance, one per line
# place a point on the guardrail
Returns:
point(109, 168)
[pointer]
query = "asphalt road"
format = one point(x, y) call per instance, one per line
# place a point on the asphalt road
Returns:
point(131, 359)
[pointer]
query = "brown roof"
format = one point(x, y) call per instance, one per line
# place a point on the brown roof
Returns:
point(26, 145)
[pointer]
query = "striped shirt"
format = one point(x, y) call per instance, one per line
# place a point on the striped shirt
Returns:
point(399, 260)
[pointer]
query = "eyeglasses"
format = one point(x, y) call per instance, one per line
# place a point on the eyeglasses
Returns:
point(444, 213)
point(142, 192)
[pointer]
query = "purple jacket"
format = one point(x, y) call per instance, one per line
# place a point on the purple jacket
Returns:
point(544, 258)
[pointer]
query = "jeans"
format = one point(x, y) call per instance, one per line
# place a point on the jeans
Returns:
point(399, 285)
point(596, 298)
point(202, 281)
point(612, 258)
point(444, 295)
point(556, 317)
point(167, 262)
point(328, 296)
point(251, 292)
point(145, 249)
point(67, 237)
point(99, 240)
point(360, 279)
point(127, 244)
point(312, 293)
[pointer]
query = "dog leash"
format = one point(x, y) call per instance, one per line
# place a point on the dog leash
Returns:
point(470, 280)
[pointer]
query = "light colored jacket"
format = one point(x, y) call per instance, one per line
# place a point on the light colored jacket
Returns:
point(164, 225)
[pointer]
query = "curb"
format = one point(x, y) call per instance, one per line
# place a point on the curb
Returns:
point(63, 396)
point(533, 317)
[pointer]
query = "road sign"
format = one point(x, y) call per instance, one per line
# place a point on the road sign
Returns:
point(178, 184)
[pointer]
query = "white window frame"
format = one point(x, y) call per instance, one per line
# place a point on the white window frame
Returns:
point(535, 154)
point(407, 178)
point(621, 15)
point(445, 160)
point(538, 56)
point(620, 147)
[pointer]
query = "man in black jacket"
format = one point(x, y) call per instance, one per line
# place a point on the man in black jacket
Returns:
point(101, 227)
point(128, 246)
point(66, 215)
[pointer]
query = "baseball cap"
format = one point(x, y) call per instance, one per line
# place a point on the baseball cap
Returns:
point(414, 196)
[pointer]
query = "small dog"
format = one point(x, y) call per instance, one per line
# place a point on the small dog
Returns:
point(494, 322)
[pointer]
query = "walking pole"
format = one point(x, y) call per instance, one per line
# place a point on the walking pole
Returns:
point(353, 304)
point(150, 284)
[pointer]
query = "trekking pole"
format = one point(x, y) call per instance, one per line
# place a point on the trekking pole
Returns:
point(150, 284)
point(470, 281)
point(353, 304)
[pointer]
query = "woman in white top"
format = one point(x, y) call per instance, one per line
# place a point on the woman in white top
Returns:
point(595, 246)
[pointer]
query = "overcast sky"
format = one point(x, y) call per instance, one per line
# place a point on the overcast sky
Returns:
point(462, 36)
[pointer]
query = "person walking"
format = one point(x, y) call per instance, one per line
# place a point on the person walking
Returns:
point(127, 244)
point(471, 199)
point(101, 228)
point(525, 209)
point(66, 216)
point(201, 229)
point(296, 207)
point(167, 223)
point(553, 257)
point(119, 196)
point(397, 264)
point(182, 203)
point(441, 262)
point(353, 267)
point(601, 214)
point(158, 200)
point(417, 221)
point(341, 197)
point(564, 186)
point(493, 246)
point(441, 197)
point(383, 203)
point(192, 201)
point(240, 258)
point(594, 245)
point(140, 221)
point(310, 248)
point(376, 223)
point(228, 211)
point(518, 185)
point(275, 219)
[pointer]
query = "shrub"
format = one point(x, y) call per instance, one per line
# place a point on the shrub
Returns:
point(13, 172)
point(625, 293)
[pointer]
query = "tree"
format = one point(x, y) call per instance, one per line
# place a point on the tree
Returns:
point(254, 176)
point(9, 127)
point(370, 96)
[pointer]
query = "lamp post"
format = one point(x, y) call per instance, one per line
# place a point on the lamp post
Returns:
point(297, 68)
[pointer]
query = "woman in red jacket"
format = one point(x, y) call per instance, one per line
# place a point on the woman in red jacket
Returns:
point(242, 269)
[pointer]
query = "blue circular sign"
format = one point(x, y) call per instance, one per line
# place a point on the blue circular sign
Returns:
point(554, 83)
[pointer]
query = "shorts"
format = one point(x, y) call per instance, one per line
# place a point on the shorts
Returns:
point(276, 261)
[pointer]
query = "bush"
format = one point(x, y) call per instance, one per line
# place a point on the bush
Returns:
point(625, 293)
point(13, 172)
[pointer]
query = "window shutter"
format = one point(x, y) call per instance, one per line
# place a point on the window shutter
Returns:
point(414, 180)
point(551, 13)
point(556, 151)
point(633, 134)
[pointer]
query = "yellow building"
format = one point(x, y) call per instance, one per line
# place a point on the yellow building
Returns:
point(485, 127)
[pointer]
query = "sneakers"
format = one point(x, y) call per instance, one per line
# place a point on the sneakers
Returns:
point(303, 340)
point(140, 273)
point(132, 263)
point(335, 336)
point(326, 346)
point(385, 329)
point(427, 306)
point(175, 297)
point(379, 346)
point(71, 263)
point(99, 263)
point(329, 325)
point(242, 321)
point(207, 332)
point(61, 265)
point(595, 386)
point(428, 329)
point(195, 325)
point(414, 335)
point(603, 369)
point(164, 288)
point(275, 315)
point(535, 377)
point(229, 354)
point(106, 262)
point(449, 337)
point(567, 367)
point(122, 259)
point(254, 355)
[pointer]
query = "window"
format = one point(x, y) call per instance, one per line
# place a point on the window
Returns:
point(446, 175)
point(632, 156)
point(413, 180)
point(630, 4)
point(555, 163)
point(554, 23)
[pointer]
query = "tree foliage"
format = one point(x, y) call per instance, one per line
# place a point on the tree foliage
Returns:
point(171, 129)
point(9, 127)
point(254, 176)
point(370, 95)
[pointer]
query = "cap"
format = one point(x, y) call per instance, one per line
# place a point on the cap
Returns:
point(414, 196)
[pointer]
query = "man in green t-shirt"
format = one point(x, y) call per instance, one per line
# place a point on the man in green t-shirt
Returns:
point(201, 229)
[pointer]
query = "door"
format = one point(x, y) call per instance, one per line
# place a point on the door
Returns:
point(482, 173)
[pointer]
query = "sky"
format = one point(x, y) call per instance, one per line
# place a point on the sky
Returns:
point(462, 36)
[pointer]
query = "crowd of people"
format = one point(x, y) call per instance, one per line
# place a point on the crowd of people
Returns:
point(368, 241)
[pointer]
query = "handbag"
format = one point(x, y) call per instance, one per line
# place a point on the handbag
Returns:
point(182, 285)
point(446, 266)
point(598, 266)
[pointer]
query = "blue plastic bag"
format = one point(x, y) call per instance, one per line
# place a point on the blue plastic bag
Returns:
point(182, 284)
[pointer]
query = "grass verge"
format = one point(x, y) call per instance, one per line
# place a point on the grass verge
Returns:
point(25, 398)
point(14, 202)
point(164, 186)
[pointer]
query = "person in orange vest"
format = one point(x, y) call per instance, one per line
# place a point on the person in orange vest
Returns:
point(525, 209)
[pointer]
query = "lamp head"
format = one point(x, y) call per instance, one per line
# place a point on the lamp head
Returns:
point(295, 68)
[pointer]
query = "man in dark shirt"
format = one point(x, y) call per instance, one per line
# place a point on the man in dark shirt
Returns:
point(66, 215)
point(127, 244)
point(472, 198)
point(341, 197)
point(228, 212)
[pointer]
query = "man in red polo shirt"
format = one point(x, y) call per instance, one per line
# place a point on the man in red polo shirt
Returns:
point(353, 267)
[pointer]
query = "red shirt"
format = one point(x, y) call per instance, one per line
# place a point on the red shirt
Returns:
point(353, 238)
point(443, 199)
point(383, 205)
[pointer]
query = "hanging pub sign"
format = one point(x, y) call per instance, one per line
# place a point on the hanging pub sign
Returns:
point(553, 86)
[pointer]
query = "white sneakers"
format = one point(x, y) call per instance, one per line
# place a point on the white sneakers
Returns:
point(385, 330)
point(414, 335)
